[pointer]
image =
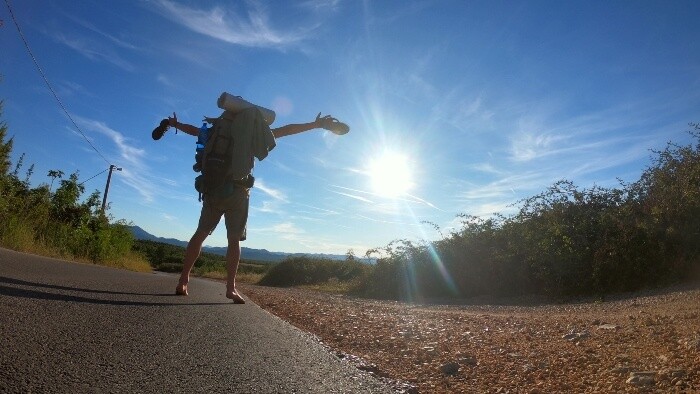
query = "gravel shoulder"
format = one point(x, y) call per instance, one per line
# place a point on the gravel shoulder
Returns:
point(646, 342)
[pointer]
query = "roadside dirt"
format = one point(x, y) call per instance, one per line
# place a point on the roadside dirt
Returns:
point(649, 342)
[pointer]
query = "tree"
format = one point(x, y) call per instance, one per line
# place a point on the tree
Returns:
point(54, 174)
point(350, 255)
point(5, 147)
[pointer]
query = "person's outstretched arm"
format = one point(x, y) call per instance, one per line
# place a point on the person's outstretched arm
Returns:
point(187, 128)
point(297, 128)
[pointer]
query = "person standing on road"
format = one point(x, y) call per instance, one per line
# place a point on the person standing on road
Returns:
point(256, 139)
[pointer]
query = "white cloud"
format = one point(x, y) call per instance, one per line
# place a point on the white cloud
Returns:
point(93, 28)
point(270, 206)
point(135, 172)
point(274, 193)
point(321, 5)
point(128, 152)
point(353, 196)
point(68, 89)
point(169, 218)
point(165, 80)
point(287, 228)
point(94, 51)
point(252, 30)
point(487, 168)
point(323, 211)
point(529, 145)
point(302, 240)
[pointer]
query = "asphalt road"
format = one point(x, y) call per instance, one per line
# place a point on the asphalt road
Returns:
point(68, 327)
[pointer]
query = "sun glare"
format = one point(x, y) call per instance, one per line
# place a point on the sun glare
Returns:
point(390, 175)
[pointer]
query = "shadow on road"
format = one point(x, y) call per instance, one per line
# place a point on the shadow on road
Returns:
point(13, 281)
point(42, 295)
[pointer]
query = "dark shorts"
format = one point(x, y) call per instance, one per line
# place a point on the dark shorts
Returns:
point(234, 208)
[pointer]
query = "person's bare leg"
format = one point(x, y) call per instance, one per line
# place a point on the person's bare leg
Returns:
point(194, 247)
point(233, 256)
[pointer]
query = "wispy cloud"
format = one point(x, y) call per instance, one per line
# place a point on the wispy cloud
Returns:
point(165, 80)
point(68, 88)
point(270, 206)
point(287, 231)
point(127, 152)
point(94, 51)
point(412, 198)
point(114, 40)
point(510, 185)
point(487, 168)
point(353, 196)
point(253, 29)
point(286, 168)
point(323, 211)
point(371, 219)
point(404, 198)
point(131, 159)
point(321, 5)
point(529, 145)
point(274, 193)
point(547, 133)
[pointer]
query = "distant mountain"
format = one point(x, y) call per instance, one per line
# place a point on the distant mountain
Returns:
point(246, 253)
point(142, 234)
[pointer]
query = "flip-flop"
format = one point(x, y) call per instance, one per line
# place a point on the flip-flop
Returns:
point(334, 125)
point(161, 129)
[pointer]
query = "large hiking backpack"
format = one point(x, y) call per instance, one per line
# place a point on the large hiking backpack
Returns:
point(215, 160)
point(235, 140)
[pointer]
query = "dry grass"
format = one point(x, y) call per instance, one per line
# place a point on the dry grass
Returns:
point(132, 262)
point(19, 237)
point(248, 277)
point(241, 277)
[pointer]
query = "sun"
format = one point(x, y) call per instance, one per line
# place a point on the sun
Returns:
point(390, 175)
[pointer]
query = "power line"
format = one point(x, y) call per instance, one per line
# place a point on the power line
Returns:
point(102, 172)
point(36, 63)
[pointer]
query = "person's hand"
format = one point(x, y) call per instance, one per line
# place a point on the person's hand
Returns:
point(172, 121)
point(324, 122)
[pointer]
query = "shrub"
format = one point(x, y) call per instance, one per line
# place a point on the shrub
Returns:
point(304, 270)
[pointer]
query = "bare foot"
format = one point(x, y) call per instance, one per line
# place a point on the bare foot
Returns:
point(233, 294)
point(181, 289)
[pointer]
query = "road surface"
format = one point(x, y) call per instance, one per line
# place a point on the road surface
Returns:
point(68, 327)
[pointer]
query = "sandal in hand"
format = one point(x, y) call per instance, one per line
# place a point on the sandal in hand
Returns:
point(161, 129)
point(332, 124)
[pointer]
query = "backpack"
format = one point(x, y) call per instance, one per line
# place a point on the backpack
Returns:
point(228, 157)
point(215, 158)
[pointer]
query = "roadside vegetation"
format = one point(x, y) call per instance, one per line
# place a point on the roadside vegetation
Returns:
point(318, 273)
point(58, 222)
point(168, 258)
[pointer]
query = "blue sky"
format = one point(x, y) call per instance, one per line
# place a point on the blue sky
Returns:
point(454, 106)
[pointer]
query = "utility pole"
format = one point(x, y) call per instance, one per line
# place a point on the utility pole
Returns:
point(109, 179)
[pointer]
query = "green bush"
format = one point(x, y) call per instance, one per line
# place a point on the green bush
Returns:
point(304, 270)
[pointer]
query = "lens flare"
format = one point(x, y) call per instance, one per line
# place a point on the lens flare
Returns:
point(390, 175)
